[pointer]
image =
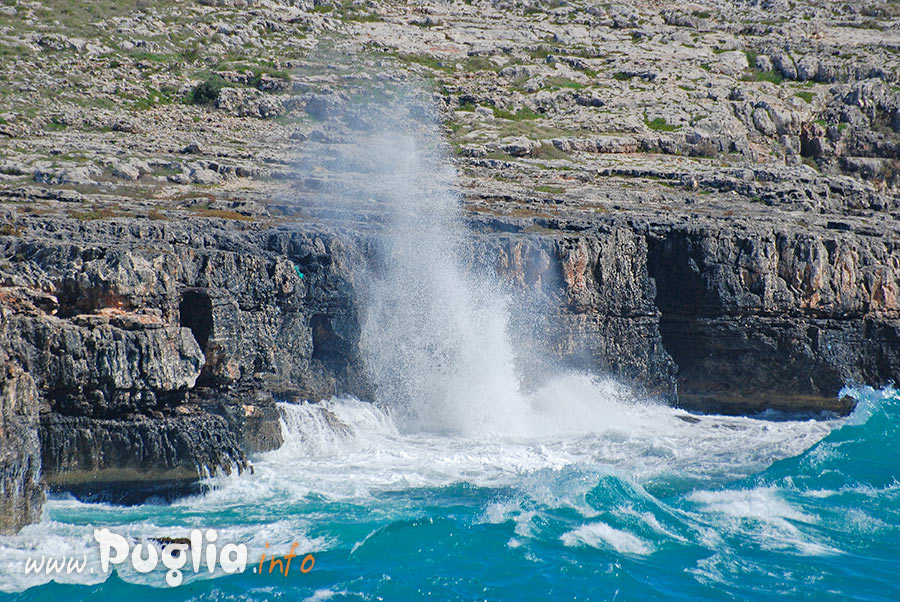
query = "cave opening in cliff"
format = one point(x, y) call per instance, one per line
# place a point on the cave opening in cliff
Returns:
point(195, 313)
point(326, 343)
point(679, 297)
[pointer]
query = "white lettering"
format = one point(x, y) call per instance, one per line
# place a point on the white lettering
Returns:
point(233, 558)
point(33, 567)
point(141, 564)
point(169, 560)
point(109, 540)
point(73, 565)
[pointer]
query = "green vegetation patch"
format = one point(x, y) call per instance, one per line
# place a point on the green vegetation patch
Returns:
point(84, 17)
point(547, 151)
point(479, 63)
point(151, 57)
point(56, 125)
point(163, 96)
point(754, 74)
point(751, 58)
point(348, 11)
point(539, 53)
point(13, 50)
point(763, 76)
point(207, 92)
point(425, 60)
point(660, 125)
point(222, 214)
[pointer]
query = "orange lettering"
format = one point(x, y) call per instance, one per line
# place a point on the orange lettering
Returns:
point(312, 562)
point(280, 564)
point(291, 555)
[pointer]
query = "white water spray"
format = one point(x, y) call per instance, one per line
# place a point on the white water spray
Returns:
point(434, 334)
point(435, 329)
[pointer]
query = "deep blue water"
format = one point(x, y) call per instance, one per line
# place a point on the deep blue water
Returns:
point(651, 508)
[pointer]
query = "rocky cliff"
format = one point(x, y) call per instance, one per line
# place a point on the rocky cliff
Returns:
point(732, 317)
point(157, 351)
point(702, 202)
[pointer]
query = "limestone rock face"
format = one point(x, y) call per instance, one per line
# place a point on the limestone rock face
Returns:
point(772, 318)
point(21, 493)
point(592, 296)
point(158, 351)
point(158, 363)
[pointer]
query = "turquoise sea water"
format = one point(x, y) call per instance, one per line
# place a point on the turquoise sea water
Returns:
point(650, 506)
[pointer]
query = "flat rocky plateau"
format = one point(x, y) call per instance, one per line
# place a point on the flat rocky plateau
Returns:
point(708, 192)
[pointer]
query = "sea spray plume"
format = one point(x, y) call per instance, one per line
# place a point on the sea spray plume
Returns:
point(434, 332)
point(436, 336)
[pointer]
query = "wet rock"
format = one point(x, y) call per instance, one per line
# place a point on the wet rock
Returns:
point(128, 460)
point(731, 276)
point(146, 359)
point(836, 336)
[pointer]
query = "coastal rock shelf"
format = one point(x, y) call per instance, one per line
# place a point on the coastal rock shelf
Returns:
point(156, 351)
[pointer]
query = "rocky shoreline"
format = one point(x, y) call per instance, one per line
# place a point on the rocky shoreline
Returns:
point(710, 213)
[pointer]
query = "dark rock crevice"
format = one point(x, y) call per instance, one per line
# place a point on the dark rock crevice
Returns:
point(195, 313)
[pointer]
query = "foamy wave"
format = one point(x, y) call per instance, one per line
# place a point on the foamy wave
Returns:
point(761, 514)
point(599, 535)
point(346, 448)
